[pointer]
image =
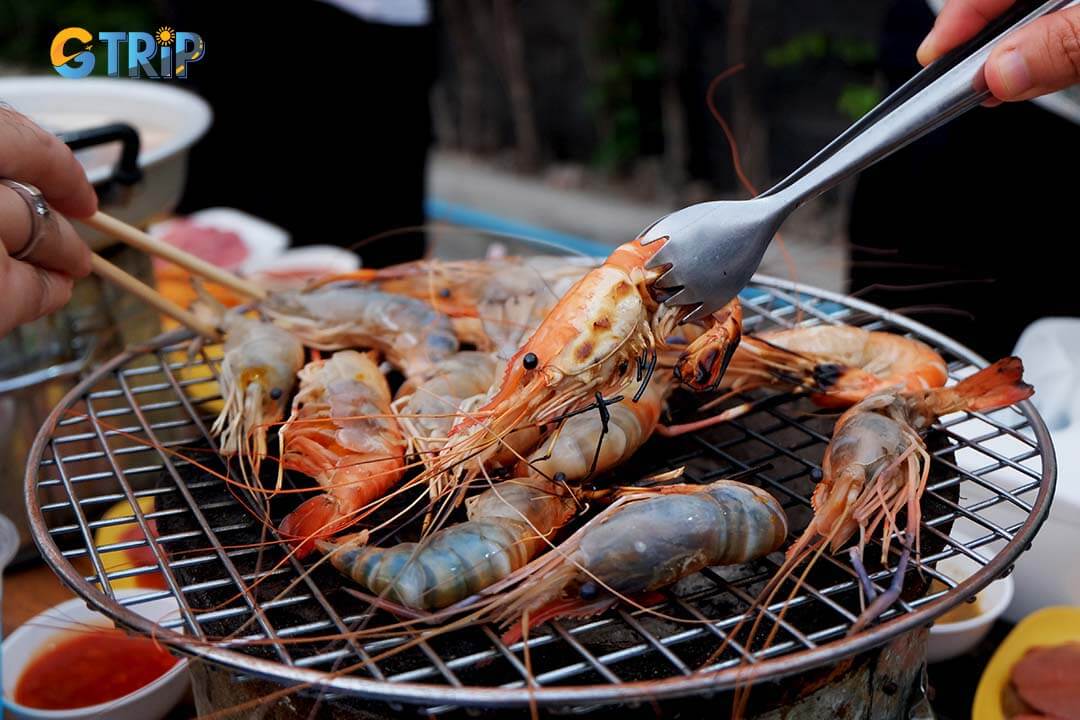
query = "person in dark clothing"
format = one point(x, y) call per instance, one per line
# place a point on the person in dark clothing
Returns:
point(321, 120)
point(962, 227)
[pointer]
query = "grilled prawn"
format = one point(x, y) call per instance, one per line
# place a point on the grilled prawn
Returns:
point(342, 433)
point(601, 336)
point(258, 371)
point(877, 465)
point(621, 552)
point(508, 524)
point(838, 365)
point(413, 337)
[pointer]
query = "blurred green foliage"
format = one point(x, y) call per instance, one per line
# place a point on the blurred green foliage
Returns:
point(27, 27)
point(622, 66)
point(817, 45)
point(856, 99)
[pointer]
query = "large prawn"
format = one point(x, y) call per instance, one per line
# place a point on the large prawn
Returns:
point(604, 334)
point(648, 539)
point(414, 337)
point(342, 433)
point(258, 371)
point(509, 523)
point(838, 365)
point(877, 465)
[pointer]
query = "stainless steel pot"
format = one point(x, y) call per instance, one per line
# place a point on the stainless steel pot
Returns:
point(133, 139)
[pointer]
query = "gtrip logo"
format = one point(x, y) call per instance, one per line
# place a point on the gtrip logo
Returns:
point(162, 54)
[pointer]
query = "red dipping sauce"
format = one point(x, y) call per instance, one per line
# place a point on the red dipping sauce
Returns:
point(90, 667)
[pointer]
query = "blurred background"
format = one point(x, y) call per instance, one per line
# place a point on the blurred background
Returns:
point(343, 120)
point(399, 128)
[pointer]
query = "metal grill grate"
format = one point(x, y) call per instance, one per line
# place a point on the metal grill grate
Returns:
point(128, 432)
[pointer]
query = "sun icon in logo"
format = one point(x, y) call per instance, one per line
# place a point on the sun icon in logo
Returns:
point(165, 35)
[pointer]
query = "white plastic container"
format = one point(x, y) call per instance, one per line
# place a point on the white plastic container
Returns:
point(1043, 575)
point(150, 702)
point(948, 640)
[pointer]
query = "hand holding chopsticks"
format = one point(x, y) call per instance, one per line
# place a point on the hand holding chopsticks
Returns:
point(41, 254)
point(136, 238)
point(197, 266)
point(106, 270)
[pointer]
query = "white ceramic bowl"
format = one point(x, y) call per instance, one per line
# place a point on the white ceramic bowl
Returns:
point(947, 640)
point(150, 702)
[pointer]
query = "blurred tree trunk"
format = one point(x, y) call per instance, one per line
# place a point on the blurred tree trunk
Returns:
point(672, 55)
point(517, 81)
point(748, 125)
point(474, 133)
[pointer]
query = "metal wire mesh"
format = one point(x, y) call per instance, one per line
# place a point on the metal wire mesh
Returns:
point(128, 433)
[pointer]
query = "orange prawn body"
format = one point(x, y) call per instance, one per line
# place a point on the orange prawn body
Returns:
point(588, 343)
point(341, 433)
point(841, 364)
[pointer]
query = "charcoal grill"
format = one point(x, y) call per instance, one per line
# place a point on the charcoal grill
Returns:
point(117, 434)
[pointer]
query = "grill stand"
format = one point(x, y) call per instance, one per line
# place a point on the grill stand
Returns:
point(994, 474)
point(876, 685)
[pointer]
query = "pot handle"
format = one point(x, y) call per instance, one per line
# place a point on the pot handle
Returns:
point(127, 171)
point(71, 368)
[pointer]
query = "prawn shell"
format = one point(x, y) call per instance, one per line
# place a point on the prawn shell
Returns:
point(505, 530)
point(654, 542)
point(413, 335)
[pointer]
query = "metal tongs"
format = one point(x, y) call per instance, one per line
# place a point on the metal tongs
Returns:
point(713, 248)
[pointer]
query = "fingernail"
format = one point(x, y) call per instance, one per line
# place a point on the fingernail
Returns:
point(1014, 73)
point(925, 53)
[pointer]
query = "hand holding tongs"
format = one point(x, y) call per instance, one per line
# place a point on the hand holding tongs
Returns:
point(713, 248)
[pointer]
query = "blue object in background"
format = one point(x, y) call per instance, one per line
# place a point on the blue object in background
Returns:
point(448, 212)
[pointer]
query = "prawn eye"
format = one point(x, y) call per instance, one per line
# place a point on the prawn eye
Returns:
point(444, 293)
point(530, 361)
point(623, 367)
point(588, 590)
point(559, 477)
point(275, 393)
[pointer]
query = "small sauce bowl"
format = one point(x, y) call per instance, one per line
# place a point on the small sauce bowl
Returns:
point(150, 702)
point(949, 639)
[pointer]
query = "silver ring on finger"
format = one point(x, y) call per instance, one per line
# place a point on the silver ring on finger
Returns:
point(41, 217)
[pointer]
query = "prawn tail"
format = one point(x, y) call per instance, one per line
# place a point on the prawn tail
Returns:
point(993, 387)
point(536, 593)
point(566, 608)
point(314, 519)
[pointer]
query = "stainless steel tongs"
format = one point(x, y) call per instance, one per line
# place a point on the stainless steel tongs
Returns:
point(713, 248)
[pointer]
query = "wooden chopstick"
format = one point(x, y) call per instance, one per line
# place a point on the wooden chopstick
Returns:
point(138, 239)
point(105, 269)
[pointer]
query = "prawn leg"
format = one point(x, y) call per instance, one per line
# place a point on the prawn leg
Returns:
point(885, 600)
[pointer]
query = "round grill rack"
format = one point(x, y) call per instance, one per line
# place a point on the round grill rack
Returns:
point(122, 434)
